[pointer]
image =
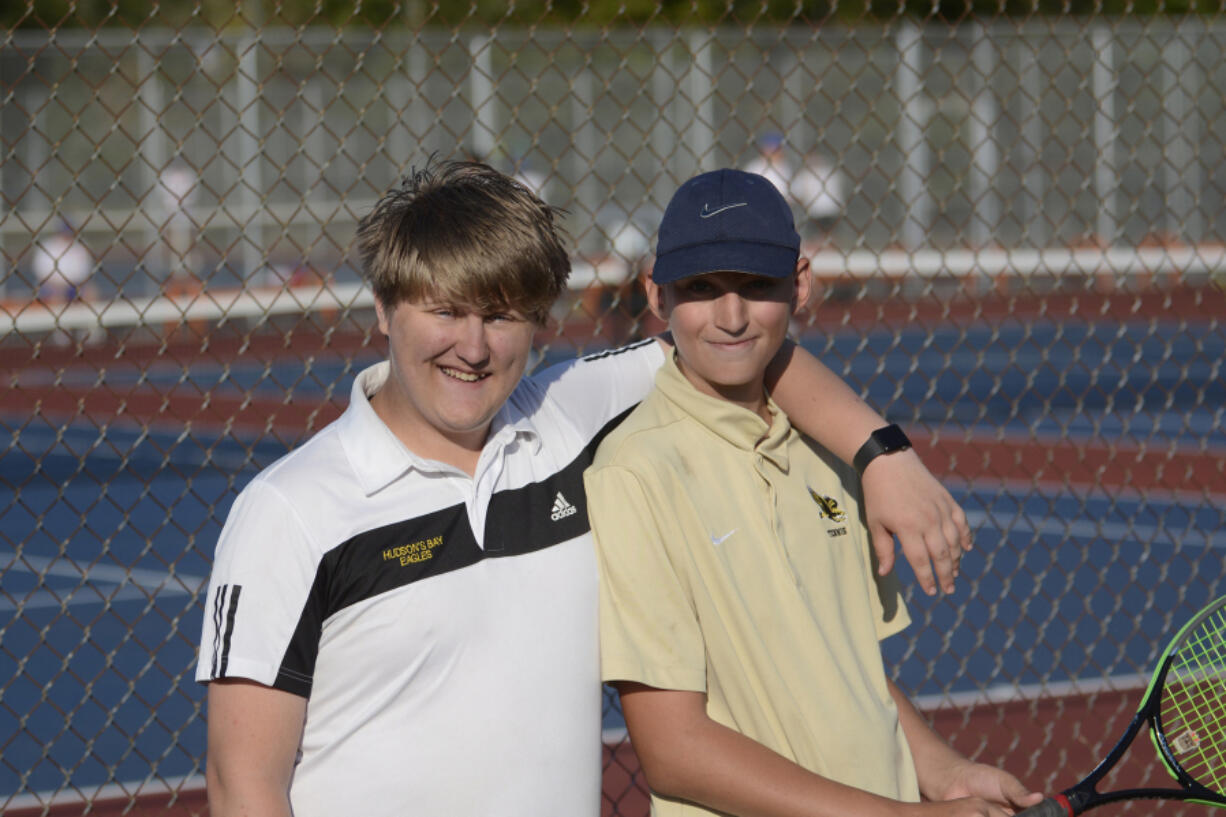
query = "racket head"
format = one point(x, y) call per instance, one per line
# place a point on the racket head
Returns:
point(1188, 725)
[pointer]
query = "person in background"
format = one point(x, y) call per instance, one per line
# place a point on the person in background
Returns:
point(772, 163)
point(178, 194)
point(62, 267)
point(820, 189)
point(814, 188)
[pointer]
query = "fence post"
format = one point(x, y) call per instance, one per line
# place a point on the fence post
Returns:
point(985, 150)
point(152, 146)
point(250, 172)
point(1106, 167)
point(912, 142)
point(1181, 175)
point(481, 93)
point(1034, 233)
point(700, 85)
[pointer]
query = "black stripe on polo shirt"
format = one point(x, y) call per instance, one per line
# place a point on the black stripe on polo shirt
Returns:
point(218, 601)
point(619, 350)
point(518, 521)
point(231, 611)
point(551, 511)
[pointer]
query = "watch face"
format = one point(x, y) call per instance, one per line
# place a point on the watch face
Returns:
point(891, 438)
point(881, 441)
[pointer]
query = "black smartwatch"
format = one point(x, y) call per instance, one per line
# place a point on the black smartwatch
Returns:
point(882, 441)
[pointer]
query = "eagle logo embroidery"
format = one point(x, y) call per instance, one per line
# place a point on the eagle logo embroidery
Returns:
point(830, 508)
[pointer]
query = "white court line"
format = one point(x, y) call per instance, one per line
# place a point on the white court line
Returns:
point(258, 304)
point(1059, 262)
point(1089, 529)
point(1012, 693)
point(121, 443)
point(101, 584)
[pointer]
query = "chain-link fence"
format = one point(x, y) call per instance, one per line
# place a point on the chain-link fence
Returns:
point(1017, 226)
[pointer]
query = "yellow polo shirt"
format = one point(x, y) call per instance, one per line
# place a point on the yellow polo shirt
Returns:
point(734, 562)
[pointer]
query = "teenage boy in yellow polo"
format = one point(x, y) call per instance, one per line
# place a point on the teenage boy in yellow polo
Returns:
point(740, 611)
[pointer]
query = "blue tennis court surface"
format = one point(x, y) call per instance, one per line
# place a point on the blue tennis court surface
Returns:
point(106, 534)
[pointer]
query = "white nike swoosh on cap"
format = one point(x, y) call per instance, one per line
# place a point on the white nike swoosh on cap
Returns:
point(707, 212)
point(719, 540)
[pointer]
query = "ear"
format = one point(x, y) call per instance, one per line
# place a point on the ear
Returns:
point(381, 314)
point(804, 284)
point(655, 299)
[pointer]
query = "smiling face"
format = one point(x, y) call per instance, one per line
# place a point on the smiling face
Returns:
point(452, 368)
point(727, 326)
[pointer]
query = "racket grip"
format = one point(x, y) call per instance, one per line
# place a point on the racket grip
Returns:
point(1051, 807)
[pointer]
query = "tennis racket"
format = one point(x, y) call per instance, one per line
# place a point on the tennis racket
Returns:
point(1185, 709)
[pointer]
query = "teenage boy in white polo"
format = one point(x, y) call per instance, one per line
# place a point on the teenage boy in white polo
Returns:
point(740, 610)
point(402, 613)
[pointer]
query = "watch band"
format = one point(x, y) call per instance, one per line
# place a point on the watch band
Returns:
point(882, 441)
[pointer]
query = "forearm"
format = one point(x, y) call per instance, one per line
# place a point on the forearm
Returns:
point(936, 762)
point(945, 775)
point(820, 403)
point(242, 796)
point(685, 755)
point(726, 771)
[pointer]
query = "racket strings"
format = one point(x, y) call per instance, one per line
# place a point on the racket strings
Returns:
point(1193, 706)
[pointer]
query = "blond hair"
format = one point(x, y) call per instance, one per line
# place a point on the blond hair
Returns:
point(464, 233)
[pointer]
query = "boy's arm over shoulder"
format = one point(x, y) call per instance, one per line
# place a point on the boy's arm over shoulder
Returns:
point(901, 496)
point(594, 389)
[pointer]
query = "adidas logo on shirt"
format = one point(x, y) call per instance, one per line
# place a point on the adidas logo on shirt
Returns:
point(562, 508)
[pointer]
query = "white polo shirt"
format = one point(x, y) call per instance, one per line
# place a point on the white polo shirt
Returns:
point(442, 627)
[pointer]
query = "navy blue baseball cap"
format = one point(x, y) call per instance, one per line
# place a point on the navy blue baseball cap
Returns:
point(726, 220)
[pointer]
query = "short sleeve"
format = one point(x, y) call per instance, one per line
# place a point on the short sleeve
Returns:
point(263, 571)
point(649, 631)
point(597, 388)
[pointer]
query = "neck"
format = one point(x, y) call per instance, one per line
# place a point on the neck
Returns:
point(751, 396)
point(461, 450)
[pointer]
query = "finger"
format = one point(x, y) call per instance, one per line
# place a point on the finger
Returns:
point(943, 562)
point(1029, 799)
point(953, 518)
point(918, 557)
point(954, 540)
point(963, 527)
point(955, 557)
point(1017, 794)
point(883, 546)
point(947, 545)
